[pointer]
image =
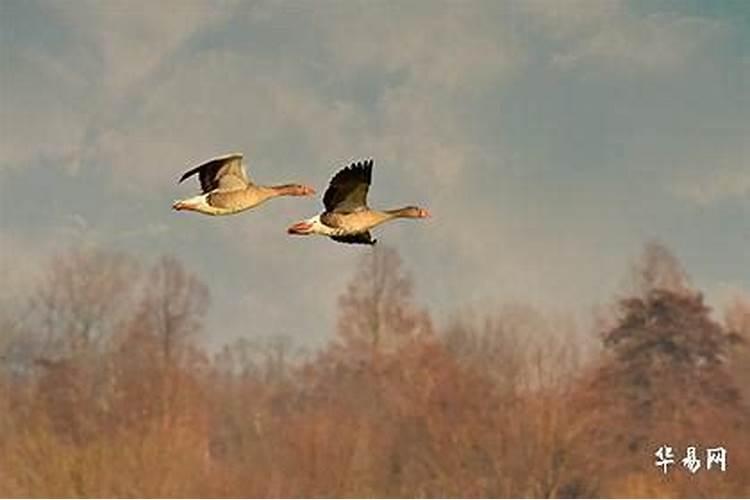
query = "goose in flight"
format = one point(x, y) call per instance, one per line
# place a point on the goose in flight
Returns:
point(347, 218)
point(226, 188)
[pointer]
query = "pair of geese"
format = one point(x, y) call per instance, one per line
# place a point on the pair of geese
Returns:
point(227, 189)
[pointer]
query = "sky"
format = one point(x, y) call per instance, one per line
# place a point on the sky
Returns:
point(550, 140)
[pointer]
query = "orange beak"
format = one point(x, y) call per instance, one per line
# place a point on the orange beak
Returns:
point(300, 228)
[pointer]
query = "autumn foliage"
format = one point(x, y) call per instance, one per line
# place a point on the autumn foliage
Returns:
point(106, 392)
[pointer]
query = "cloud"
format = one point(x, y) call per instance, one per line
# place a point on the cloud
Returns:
point(573, 18)
point(714, 187)
point(241, 96)
point(610, 36)
point(455, 47)
point(529, 201)
point(67, 89)
point(132, 38)
point(658, 42)
point(39, 119)
point(715, 174)
point(242, 110)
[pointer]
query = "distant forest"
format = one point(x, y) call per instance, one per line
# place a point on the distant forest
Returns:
point(106, 392)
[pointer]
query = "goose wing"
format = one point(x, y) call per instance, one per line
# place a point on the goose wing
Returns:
point(356, 238)
point(347, 191)
point(225, 173)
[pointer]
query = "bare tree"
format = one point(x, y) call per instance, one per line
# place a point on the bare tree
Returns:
point(173, 305)
point(268, 357)
point(377, 310)
point(491, 348)
point(84, 298)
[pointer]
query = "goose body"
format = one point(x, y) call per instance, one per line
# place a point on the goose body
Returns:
point(227, 189)
point(347, 218)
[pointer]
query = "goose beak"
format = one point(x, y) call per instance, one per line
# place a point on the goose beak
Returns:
point(308, 191)
point(424, 213)
point(300, 228)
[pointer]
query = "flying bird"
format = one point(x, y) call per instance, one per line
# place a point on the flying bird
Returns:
point(347, 218)
point(227, 189)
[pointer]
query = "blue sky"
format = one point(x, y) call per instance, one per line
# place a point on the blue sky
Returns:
point(550, 140)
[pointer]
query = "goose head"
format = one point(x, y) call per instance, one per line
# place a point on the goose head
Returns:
point(302, 190)
point(295, 190)
point(308, 226)
point(411, 212)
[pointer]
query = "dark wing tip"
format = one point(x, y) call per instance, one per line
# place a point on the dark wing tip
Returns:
point(364, 165)
point(345, 180)
point(362, 169)
point(187, 174)
point(355, 239)
point(215, 162)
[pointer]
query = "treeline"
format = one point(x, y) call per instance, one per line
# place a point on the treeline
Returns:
point(104, 392)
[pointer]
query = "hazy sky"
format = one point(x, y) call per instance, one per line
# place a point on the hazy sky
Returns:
point(549, 140)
